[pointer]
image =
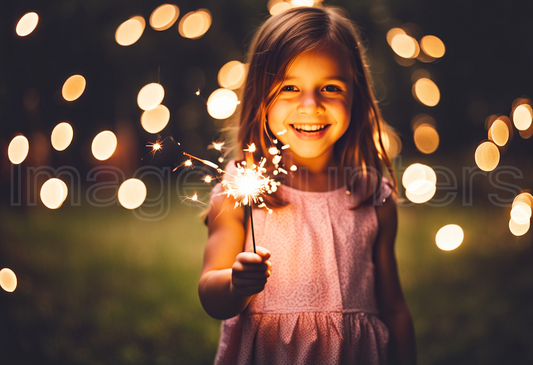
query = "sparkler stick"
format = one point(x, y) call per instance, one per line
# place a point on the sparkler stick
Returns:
point(248, 184)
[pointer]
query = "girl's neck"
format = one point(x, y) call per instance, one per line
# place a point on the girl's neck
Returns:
point(317, 174)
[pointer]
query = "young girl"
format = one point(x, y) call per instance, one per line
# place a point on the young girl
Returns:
point(323, 286)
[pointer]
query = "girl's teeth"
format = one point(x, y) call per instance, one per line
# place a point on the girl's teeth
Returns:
point(309, 127)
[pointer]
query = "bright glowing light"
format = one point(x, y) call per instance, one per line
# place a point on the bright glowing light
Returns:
point(18, 149)
point(518, 229)
point(195, 24)
point(156, 119)
point(27, 24)
point(278, 7)
point(499, 132)
point(419, 182)
point(222, 103)
point(432, 46)
point(392, 33)
point(426, 92)
point(416, 175)
point(521, 213)
point(449, 237)
point(426, 138)
point(231, 75)
point(428, 191)
point(422, 118)
point(132, 193)
point(8, 280)
point(130, 31)
point(218, 145)
point(188, 163)
point(249, 184)
point(150, 96)
point(53, 193)
point(251, 148)
point(62, 136)
point(525, 198)
point(487, 156)
point(391, 141)
point(74, 87)
point(208, 179)
point(104, 145)
point(164, 16)
point(522, 117)
point(294, 168)
point(297, 3)
point(405, 46)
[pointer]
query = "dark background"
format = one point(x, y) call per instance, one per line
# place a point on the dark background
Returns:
point(98, 285)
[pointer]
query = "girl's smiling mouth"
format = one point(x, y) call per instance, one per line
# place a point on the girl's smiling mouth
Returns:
point(310, 131)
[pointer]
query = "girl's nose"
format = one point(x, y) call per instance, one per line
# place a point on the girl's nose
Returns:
point(310, 105)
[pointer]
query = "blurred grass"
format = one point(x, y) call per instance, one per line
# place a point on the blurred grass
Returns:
point(99, 286)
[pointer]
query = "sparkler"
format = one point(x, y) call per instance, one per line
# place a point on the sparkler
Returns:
point(249, 184)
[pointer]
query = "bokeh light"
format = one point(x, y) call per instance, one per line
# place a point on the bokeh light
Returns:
point(487, 156)
point(449, 237)
point(521, 212)
point(522, 117)
point(53, 193)
point(499, 132)
point(62, 136)
point(132, 193)
point(195, 24)
point(405, 46)
point(164, 17)
point(518, 229)
point(525, 198)
point(156, 119)
point(150, 96)
point(297, 3)
point(130, 31)
point(426, 92)
point(104, 145)
point(8, 280)
point(432, 46)
point(231, 75)
point(27, 24)
point(419, 182)
point(426, 138)
point(392, 33)
point(391, 141)
point(74, 87)
point(222, 103)
point(276, 7)
point(18, 149)
point(422, 118)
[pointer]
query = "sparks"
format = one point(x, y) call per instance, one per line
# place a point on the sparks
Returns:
point(208, 179)
point(217, 145)
point(249, 184)
point(251, 148)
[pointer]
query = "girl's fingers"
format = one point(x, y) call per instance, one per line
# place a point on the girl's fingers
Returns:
point(249, 257)
point(252, 274)
point(263, 252)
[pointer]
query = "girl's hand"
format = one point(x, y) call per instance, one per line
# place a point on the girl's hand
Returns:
point(250, 271)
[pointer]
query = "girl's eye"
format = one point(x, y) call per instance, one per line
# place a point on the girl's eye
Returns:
point(331, 88)
point(289, 88)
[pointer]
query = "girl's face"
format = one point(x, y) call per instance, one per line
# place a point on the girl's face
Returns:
point(314, 106)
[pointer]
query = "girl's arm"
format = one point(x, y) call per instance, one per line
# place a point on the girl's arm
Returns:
point(392, 306)
point(229, 276)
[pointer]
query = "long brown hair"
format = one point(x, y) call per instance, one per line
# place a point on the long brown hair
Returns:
point(275, 46)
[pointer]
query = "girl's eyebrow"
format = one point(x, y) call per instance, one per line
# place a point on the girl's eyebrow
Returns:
point(329, 78)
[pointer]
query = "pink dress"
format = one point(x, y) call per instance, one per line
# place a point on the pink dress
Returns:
point(318, 306)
